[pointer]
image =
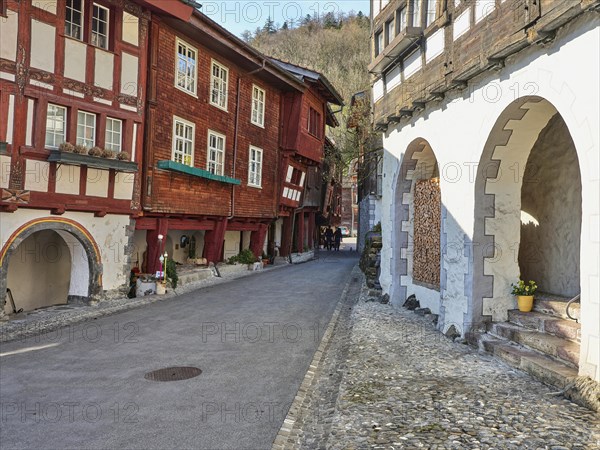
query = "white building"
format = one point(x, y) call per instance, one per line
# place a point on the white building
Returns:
point(498, 104)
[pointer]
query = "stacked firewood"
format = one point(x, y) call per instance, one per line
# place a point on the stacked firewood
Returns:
point(426, 232)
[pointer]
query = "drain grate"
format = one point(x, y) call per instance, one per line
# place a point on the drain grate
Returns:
point(173, 374)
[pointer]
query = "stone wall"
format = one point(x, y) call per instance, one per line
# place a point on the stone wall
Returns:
point(367, 218)
point(551, 197)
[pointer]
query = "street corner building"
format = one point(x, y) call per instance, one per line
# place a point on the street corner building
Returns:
point(72, 103)
point(489, 115)
point(137, 128)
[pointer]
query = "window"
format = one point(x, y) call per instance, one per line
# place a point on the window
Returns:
point(416, 19)
point(74, 19)
point(258, 106)
point(298, 177)
point(401, 20)
point(86, 129)
point(255, 167)
point(216, 153)
point(314, 123)
point(379, 45)
point(113, 134)
point(100, 16)
point(390, 31)
point(183, 142)
point(379, 188)
point(185, 75)
point(376, 7)
point(56, 121)
point(431, 12)
point(218, 85)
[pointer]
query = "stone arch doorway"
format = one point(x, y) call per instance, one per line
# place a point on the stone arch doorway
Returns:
point(528, 209)
point(416, 264)
point(59, 254)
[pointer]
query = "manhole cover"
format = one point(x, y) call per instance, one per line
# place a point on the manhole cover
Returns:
point(173, 374)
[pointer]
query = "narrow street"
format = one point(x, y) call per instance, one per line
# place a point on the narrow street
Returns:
point(253, 339)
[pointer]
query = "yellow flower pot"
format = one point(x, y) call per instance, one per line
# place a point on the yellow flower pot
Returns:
point(525, 302)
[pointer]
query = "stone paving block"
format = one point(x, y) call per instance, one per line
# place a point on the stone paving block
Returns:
point(380, 385)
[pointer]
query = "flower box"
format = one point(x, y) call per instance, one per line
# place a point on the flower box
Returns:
point(97, 162)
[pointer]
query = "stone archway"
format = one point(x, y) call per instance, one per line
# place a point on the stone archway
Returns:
point(85, 278)
point(418, 175)
point(527, 209)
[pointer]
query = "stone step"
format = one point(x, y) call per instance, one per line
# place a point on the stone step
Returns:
point(541, 367)
point(193, 276)
point(536, 321)
point(555, 305)
point(562, 350)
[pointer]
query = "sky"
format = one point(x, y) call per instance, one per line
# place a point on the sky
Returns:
point(240, 15)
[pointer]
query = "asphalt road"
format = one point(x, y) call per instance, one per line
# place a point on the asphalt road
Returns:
point(253, 338)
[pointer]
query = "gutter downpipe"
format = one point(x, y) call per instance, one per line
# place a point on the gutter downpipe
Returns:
point(235, 145)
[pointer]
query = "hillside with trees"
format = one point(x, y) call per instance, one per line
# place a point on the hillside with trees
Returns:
point(337, 46)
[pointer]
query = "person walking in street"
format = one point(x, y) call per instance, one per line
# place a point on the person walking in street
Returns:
point(328, 238)
point(337, 238)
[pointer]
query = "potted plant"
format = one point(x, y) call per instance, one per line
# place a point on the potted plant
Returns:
point(66, 147)
point(524, 292)
point(265, 259)
point(246, 257)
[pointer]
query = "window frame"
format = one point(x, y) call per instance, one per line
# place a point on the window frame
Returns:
point(431, 12)
point(180, 42)
point(81, 20)
point(260, 113)
point(81, 140)
point(390, 30)
point(316, 123)
point(186, 160)
point(222, 92)
point(108, 144)
point(258, 172)
point(65, 125)
point(107, 22)
point(209, 160)
point(418, 13)
point(379, 42)
point(402, 19)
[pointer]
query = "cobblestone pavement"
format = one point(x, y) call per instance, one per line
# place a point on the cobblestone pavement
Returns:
point(404, 385)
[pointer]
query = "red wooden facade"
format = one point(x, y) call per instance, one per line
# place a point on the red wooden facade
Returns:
point(304, 117)
point(190, 189)
point(213, 136)
point(41, 70)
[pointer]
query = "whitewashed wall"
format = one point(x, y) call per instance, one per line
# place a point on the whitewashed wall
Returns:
point(566, 75)
point(109, 232)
